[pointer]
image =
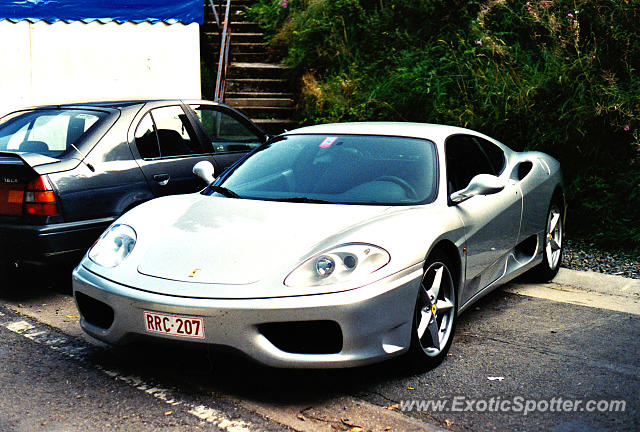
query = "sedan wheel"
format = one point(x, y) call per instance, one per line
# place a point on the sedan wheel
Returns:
point(434, 316)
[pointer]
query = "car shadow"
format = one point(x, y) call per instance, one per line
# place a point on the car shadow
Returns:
point(193, 368)
point(208, 370)
point(35, 284)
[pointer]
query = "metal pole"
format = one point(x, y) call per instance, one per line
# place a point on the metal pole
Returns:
point(215, 13)
point(223, 58)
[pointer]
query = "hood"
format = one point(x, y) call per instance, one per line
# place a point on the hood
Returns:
point(237, 241)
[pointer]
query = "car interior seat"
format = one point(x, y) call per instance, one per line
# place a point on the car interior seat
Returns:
point(34, 147)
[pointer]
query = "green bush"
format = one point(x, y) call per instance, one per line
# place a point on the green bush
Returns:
point(557, 76)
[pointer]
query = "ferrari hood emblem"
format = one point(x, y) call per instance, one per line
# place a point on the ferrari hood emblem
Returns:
point(194, 272)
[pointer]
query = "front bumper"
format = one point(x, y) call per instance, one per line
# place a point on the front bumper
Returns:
point(375, 320)
point(43, 244)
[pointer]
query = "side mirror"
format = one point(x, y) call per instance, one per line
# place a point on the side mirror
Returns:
point(482, 184)
point(204, 170)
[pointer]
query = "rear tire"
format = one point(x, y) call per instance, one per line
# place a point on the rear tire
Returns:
point(435, 314)
point(553, 245)
point(7, 278)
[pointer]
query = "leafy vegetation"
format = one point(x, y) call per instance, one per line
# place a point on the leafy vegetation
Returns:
point(557, 76)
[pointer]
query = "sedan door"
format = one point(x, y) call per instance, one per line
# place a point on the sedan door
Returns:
point(492, 222)
point(228, 132)
point(167, 147)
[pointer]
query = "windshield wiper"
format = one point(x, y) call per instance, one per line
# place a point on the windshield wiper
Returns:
point(224, 191)
point(303, 200)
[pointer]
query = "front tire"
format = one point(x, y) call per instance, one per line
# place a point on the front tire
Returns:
point(435, 314)
point(553, 246)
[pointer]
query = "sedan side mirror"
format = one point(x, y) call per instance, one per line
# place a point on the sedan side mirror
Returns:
point(482, 184)
point(204, 170)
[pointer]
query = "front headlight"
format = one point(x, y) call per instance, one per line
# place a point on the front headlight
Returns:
point(339, 265)
point(113, 246)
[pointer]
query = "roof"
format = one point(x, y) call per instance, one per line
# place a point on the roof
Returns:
point(169, 11)
point(123, 103)
point(405, 129)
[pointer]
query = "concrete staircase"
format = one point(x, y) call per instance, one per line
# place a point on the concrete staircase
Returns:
point(256, 84)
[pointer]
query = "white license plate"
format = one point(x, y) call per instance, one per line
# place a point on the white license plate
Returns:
point(174, 325)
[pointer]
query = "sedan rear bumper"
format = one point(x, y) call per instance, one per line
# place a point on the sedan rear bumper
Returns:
point(43, 244)
point(373, 322)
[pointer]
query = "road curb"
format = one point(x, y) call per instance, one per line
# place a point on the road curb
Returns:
point(598, 282)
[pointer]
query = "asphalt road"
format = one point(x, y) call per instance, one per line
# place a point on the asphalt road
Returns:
point(540, 346)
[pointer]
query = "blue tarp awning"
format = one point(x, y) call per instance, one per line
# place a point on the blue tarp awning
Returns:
point(184, 11)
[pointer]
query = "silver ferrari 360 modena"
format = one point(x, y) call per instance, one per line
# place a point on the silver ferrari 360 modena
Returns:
point(329, 246)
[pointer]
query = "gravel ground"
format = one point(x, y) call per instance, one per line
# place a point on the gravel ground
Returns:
point(579, 255)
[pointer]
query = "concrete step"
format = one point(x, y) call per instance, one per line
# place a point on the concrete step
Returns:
point(239, 70)
point(249, 57)
point(240, 37)
point(235, 16)
point(236, 27)
point(259, 95)
point(258, 84)
point(221, 4)
point(276, 126)
point(212, 43)
point(236, 12)
point(256, 70)
point(255, 112)
point(248, 47)
point(261, 102)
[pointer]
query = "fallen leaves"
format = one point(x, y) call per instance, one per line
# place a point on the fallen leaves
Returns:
point(353, 427)
point(394, 407)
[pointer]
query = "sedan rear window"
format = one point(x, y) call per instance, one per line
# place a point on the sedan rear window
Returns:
point(345, 169)
point(47, 132)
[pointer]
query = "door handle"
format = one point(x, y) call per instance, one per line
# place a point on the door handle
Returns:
point(162, 179)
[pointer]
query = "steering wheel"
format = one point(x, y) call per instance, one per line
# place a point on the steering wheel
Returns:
point(408, 189)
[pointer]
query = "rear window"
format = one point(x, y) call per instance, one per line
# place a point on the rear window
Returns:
point(47, 132)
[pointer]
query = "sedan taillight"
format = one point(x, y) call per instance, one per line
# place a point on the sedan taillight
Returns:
point(39, 198)
point(11, 198)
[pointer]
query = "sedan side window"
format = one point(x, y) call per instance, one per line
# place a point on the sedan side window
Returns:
point(465, 160)
point(175, 133)
point(226, 133)
point(146, 138)
point(166, 132)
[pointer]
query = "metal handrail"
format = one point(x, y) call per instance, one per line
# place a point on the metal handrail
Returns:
point(215, 13)
point(224, 57)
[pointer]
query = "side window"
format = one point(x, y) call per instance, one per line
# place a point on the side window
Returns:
point(175, 134)
point(226, 133)
point(465, 160)
point(146, 138)
point(494, 154)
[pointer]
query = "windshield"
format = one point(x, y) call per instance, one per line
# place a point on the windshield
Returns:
point(346, 169)
point(47, 132)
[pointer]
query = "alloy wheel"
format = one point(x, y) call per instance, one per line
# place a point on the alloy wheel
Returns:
point(553, 242)
point(435, 309)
